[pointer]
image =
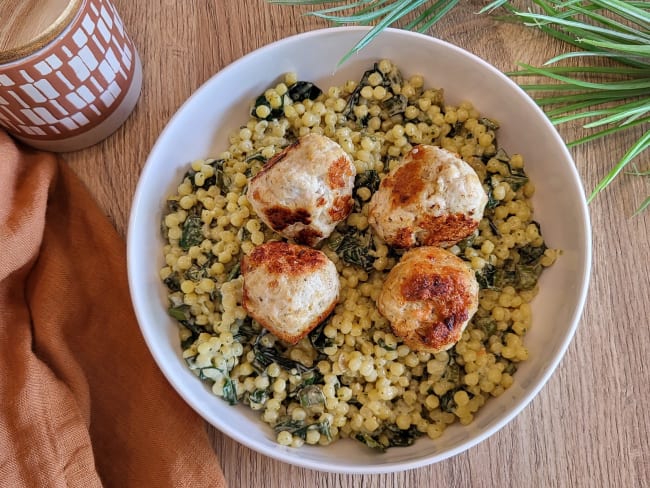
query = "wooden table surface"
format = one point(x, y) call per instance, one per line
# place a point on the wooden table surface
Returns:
point(589, 426)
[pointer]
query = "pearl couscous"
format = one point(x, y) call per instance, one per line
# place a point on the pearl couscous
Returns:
point(352, 377)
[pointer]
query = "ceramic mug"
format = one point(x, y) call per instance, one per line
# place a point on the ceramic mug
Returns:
point(69, 73)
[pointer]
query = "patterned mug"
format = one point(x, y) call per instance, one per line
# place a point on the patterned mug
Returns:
point(69, 73)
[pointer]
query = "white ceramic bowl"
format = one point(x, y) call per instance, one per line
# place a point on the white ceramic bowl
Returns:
point(200, 129)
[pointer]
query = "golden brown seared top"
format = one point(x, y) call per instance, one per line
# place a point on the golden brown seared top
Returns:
point(304, 191)
point(282, 257)
point(289, 288)
point(428, 298)
point(433, 198)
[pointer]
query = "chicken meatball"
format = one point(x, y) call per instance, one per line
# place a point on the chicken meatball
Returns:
point(303, 192)
point(433, 198)
point(289, 288)
point(429, 297)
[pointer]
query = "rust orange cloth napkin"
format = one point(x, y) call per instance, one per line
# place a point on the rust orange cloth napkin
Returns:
point(82, 401)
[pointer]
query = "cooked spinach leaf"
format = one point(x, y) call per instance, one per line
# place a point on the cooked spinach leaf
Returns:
point(183, 315)
point(492, 202)
point(348, 112)
point(259, 396)
point(391, 436)
point(318, 338)
point(494, 229)
point(234, 272)
point(312, 377)
point(196, 272)
point(255, 157)
point(452, 373)
point(516, 181)
point(527, 276)
point(489, 123)
point(382, 343)
point(394, 105)
point(530, 254)
point(487, 324)
point(299, 428)
point(203, 373)
point(387, 81)
point(519, 276)
point(229, 390)
point(173, 205)
point(447, 403)
point(192, 232)
point(173, 282)
point(370, 441)
point(485, 276)
point(401, 437)
point(311, 395)
point(274, 113)
point(264, 356)
point(215, 179)
point(245, 330)
point(368, 179)
point(467, 242)
point(304, 90)
point(354, 248)
point(511, 368)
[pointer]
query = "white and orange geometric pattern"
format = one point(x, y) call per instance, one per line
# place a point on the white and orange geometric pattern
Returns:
point(74, 83)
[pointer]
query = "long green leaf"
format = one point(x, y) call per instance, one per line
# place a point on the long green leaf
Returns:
point(615, 85)
point(627, 108)
point(639, 146)
point(450, 4)
point(643, 206)
point(636, 49)
point(606, 132)
point(398, 13)
point(580, 28)
point(638, 61)
point(628, 10)
point(362, 17)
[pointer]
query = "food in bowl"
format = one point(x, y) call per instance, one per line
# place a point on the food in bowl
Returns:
point(352, 377)
point(288, 289)
point(305, 190)
point(429, 297)
point(431, 198)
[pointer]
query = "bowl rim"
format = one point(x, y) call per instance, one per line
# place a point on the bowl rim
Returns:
point(279, 454)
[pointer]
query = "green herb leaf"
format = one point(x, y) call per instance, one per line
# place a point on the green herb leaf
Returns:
point(229, 390)
point(318, 338)
point(192, 232)
point(259, 396)
point(311, 395)
point(304, 90)
point(370, 441)
point(235, 272)
point(299, 428)
point(264, 356)
point(485, 277)
point(487, 324)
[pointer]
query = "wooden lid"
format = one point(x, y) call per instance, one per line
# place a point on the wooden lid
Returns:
point(29, 25)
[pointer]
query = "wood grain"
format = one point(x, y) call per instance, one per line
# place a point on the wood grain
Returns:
point(24, 20)
point(589, 425)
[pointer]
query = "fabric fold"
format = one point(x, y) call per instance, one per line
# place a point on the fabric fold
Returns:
point(83, 403)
